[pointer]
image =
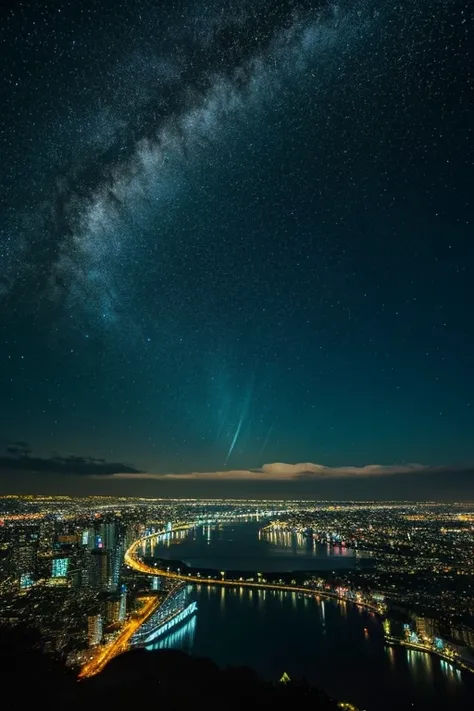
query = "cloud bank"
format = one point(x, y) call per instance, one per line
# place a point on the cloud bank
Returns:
point(281, 471)
point(18, 458)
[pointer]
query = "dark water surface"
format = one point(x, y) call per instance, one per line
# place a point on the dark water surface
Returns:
point(239, 547)
point(334, 644)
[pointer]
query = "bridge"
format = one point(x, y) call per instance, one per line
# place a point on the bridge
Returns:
point(133, 560)
point(159, 615)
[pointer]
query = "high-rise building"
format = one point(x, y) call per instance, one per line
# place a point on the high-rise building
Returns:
point(88, 538)
point(47, 533)
point(426, 627)
point(112, 611)
point(108, 535)
point(75, 577)
point(116, 609)
point(59, 567)
point(94, 630)
point(123, 606)
point(420, 627)
point(24, 556)
point(106, 556)
point(84, 569)
point(98, 570)
point(431, 627)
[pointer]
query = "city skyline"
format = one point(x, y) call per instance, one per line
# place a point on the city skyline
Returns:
point(237, 250)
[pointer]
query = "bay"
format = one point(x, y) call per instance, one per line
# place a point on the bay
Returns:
point(334, 644)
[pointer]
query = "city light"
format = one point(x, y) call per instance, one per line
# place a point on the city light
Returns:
point(91, 568)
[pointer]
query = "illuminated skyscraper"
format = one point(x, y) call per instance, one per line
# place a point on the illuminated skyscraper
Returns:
point(59, 567)
point(24, 556)
point(47, 534)
point(420, 627)
point(115, 557)
point(88, 538)
point(108, 535)
point(123, 606)
point(94, 630)
point(426, 627)
point(116, 609)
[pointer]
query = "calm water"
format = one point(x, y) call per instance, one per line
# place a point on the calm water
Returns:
point(239, 547)
point(323, 641)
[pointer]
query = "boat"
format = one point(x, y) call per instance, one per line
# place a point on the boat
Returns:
point(174, 610)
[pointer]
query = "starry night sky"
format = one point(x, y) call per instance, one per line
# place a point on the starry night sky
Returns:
point(232, 234)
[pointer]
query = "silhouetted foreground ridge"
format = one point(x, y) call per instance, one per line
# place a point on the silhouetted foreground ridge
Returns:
point(166, 679)
point(181, 682)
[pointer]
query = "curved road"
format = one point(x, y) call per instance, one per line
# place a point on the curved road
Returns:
point(103, 655)
point(131, 559)
point(135, 563)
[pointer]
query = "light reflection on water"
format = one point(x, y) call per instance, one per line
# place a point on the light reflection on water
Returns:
point(180, 638)
point(332, 643)
point(299, 544)
point(240, 547)
point(338, 646)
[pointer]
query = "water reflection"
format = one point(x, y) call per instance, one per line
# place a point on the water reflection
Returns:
point(299, 543)
point(337, 646)
point(450, 671)
point(391, 655)
point(242, 546)
point(334, 644)
point(181, 638)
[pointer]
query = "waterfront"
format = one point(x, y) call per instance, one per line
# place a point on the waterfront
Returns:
point(64, 576)
point(332, 643)
point(239, 547)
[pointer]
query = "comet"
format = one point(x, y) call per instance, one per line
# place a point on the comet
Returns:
point(236, 437)
point(245, 409)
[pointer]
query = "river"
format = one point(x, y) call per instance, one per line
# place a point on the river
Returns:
point(240, 547)
point(334, 644)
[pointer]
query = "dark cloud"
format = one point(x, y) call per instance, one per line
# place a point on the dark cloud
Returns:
point(17, 443)
point(14, 451)
point(17, 458)
point(17, 448)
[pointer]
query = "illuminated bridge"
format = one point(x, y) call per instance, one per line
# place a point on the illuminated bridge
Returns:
point(175, 609)
point(133, 560)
